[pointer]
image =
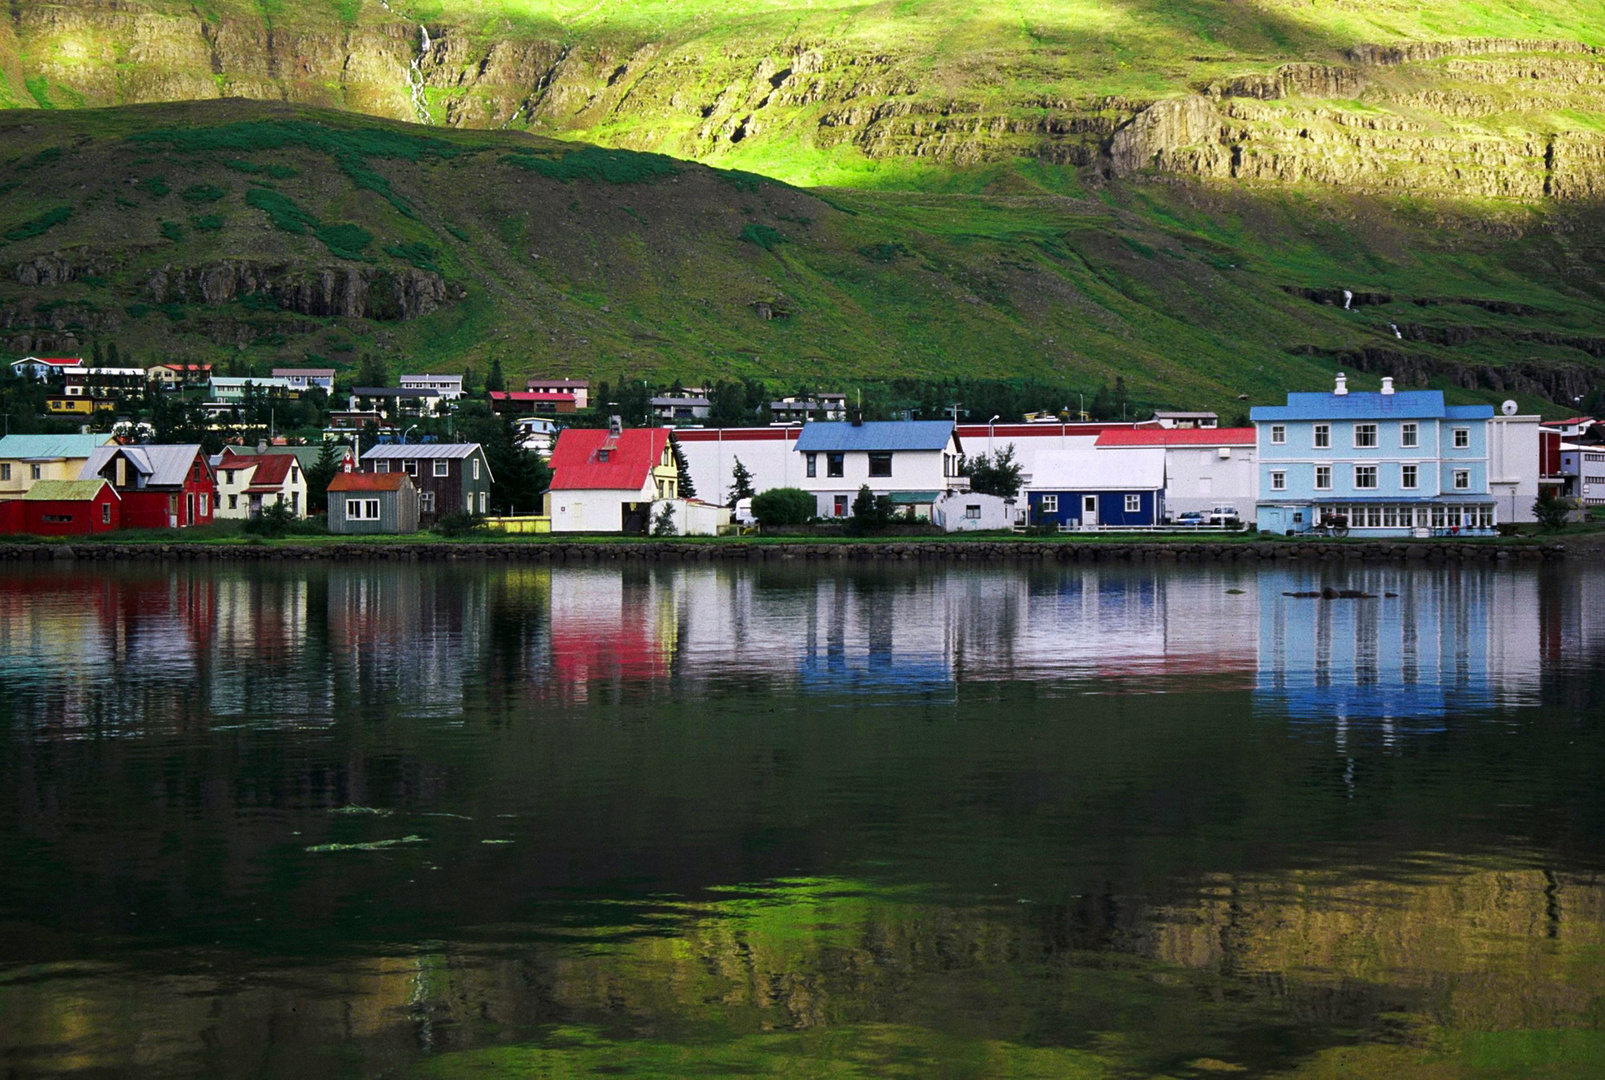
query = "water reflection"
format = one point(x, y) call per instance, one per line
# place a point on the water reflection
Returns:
point(1019, 821)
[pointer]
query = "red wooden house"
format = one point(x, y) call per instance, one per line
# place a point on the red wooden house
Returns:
point(162, 487)
point(71, 508)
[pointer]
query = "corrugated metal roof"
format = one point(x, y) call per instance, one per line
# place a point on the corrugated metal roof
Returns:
point(1369, 405)
point(876, 435)
point(1139, 469)
point(913, 498)
point(630, 460)
point(67, 490)
point(362, 481)
point(271, 469)
point(319, 372)
point(1243, 436)
point(50, 447)
point(394, 391)
point(163, 466)
point(390, 451)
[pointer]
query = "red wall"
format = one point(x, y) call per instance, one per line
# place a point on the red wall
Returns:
point(149, 509)
point(1548, 453)
point(11, 516)
point(85, 514)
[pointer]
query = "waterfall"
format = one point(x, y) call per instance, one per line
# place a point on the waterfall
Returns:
point(1396, 331)
point(415, 77)
point(1348, 298)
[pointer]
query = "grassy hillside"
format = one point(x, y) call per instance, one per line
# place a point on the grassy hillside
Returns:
point(263, 234)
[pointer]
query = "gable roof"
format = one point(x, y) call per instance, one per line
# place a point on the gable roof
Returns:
point(306, 455)
point(420, 450)
point(271, 469)
point(1117, 437)
point(1141, 469)
point(1369, 405)
point(53, 361)
point(68, 490)
point(162, 466)
point(877, 435)
point(312, 372)
point(50, 447)
point(634, 452)
point(362, 481)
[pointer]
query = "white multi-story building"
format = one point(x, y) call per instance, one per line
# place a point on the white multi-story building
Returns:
point(913, 461)
point(307, 378)
point(443, 387)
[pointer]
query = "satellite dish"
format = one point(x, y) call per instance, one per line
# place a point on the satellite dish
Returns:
point(1508, 408)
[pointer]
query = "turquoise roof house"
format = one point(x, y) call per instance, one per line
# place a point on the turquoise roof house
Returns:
point(1392, 463)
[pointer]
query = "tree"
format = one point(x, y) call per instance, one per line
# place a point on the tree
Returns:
point(995, 474)
point(112, 359)
point(98, 358)
point(320, 475)
point(371, 372)
point(518, 475)
point(871, 512)
point(468, 381)
point(784, 506)
point(1551, 510)
point(494, 380)
point(741, 486)
point(688, 488)
point(663, 524)
point(729, 400)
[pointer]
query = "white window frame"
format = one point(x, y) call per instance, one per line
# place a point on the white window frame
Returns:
point(1278, 434)
point(1369, 434)
point(5, 471)
point(371, 508)
point(1462, 480)
point(1460, 438)
point(1133, 504)
point(426, 502)
point(484, 501)
point(442, 467)
point(1409, 435)
point(1371, 472)
point(381, 466)
point(353, 509)
point(1409, 477)
point(1327, 469)
point(972, 512)
point(476, 468)
point(36, 472)
point(1322, 438)
point(410, 466)
point(1050, 504)
point(1278, 480)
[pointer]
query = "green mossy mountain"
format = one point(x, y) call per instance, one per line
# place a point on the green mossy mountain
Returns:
point(273, 234)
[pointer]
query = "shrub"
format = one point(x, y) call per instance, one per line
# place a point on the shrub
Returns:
point(871, 512)
point(281, 210)
point(154, 186)
point(39, 225)
point(1551, 510)
point(762, 235)
point(420, 255)
point(203, 193)
point(784, 506)
point(344, 239)
point(663, 523)
point(459, 523)
point(173, 231)
point(275, 519)
point(207, 223)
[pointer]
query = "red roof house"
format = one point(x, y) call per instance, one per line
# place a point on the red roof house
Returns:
point(162, 487)
point(605, 480)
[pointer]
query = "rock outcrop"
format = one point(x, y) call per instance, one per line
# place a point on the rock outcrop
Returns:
point(345, 292)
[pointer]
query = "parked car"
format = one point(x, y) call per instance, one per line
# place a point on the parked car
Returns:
point(1191, 519)
point(1223, 515)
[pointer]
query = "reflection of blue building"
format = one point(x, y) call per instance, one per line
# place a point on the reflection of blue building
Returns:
point(1428, 652)
point(1390, 463)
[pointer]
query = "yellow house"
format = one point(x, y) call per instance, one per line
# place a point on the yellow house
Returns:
point(27, 459)
point(63, 405)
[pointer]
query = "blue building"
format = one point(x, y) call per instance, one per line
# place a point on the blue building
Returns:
point(1392, 463)
point(1114, 489)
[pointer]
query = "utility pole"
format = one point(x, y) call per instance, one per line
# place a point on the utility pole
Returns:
point(954, 409)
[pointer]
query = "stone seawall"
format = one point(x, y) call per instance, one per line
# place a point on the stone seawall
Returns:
point(801, 551)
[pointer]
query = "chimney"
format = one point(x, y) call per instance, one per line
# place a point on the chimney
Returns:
point(1342, 385)
point(858, 418)
point(615, 425)
point(1387, 384)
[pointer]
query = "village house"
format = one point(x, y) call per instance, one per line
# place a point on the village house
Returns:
point(162, 487)
point(1391, 463)
point(44, 368)
point(27, 459)
point(1185, 420)
point(247, 484)
point(579, 388)
point(911, 461)
point(450, 477)
point(307, 378)
point(1085, 489)
point(63, 405)
point(969, 511)
point(681, 407)
point(176, 376)
point(307, 456)
point(395, 401)
point(606, 479)
point(103, 382)
point(797, 410)
point(1205, 467)
point(440, 387)
point(373, 503)
point(526, 402)
point(231, 390)
point(63, 508)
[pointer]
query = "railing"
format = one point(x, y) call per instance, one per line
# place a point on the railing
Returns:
point(521, 523)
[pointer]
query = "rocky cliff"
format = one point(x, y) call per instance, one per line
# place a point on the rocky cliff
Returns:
point(1257, 97)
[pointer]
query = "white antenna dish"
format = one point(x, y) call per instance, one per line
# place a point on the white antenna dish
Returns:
point(1508, 408)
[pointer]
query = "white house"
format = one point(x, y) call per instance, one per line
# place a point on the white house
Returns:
point(229, 388)
point(607, 479)
point(247, 483)
point(442, 387)
point(580, 388)
point(913, 461)
point(307, 378)
point(968, 511)
point(1513, 465)
point(44, 368)
point(1205, 467)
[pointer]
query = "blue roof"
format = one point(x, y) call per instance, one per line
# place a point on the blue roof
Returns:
point(49, 447)
point(1402, 405)
point(876, 435)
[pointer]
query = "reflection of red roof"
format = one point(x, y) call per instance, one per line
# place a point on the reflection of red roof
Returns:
point(577, 464)
point(527, 395)
point(361, 481)
point(1228, 436)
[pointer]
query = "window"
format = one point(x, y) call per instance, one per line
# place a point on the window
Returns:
point(1323, 478)
point(468, 502)
point(1133, 504)
point(834, 464)
point(354, 509)
point(880, 464)
point(812, 464)
point(228, 476)
point(443, 467)
point(1407, 477)
point(35, 471)
point(105, 513)
point(1323, 436)
point(1365, 476)
point(601, 456)
point(57, 519)
point(426, 502)
point(1278, 434)
point(381, 466)
point(1462, 479)
point(483, 498)
point(370, 508)
point(1462, 438)
point(1365, 435)
point(410, 467)
point(972, 512)
point(5, 472)
point(1409, 435)
point(476, 468)
point(841, 506)
point(1050, 504)
point(233, 502)
point(1278, 480)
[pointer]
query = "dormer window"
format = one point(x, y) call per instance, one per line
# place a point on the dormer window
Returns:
point(602, 455)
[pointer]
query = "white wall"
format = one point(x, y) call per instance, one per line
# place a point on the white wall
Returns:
point(1198, 478)
point(950, 510)
point(593, 510)
point(912, 470)
point(772, 462)
point(1513, 466)
point(1026, 448)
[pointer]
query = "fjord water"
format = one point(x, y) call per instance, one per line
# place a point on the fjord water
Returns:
point(306, 820)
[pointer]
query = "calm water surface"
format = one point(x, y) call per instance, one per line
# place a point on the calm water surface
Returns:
point(474, 821)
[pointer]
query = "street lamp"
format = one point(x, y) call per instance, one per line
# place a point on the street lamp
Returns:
point(989, 433)
point(404, 434)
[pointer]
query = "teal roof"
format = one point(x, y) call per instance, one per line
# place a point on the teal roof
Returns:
point(50, 447)
point(914, 498)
